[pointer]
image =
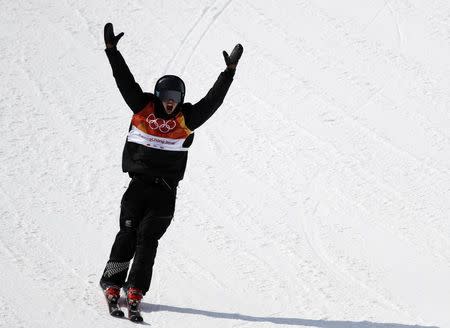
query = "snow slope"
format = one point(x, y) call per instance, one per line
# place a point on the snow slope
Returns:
point(317, 196)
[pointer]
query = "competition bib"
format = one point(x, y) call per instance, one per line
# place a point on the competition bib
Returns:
point(158, 133)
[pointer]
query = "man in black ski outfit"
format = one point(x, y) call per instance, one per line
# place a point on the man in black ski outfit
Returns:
point(155, 157)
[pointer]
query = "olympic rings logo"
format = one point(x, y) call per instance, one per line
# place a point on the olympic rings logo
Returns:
point(160, 124)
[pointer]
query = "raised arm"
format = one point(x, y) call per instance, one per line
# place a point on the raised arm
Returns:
point(130, 90)
point(200, 112)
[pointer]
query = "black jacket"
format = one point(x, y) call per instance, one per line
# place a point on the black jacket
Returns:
point(151, 162)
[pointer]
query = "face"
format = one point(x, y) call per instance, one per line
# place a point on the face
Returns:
point(169, 106)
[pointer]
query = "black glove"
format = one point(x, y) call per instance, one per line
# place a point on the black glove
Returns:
point(232, 60)
point(111, 39)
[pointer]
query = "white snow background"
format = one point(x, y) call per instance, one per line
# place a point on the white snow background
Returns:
point(317, 196)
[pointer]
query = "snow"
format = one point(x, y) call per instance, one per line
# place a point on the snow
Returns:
point(317, 196)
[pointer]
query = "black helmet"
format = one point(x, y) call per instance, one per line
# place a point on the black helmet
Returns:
point(170, 87)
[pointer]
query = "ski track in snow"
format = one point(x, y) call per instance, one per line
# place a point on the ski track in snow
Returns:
point(332, 214)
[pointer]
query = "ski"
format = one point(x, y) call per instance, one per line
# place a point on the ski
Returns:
point(134, 297)
point(114, 310)
point(112, 296)
point(135, 316)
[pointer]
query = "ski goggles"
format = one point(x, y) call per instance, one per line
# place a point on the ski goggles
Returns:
point(169, 95)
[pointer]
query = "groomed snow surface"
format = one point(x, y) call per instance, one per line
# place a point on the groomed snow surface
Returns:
point(317, 196)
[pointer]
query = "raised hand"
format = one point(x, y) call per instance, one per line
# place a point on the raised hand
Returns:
point(111, 39)
point(232, 60)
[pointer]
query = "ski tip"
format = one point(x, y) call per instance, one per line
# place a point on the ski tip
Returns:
point(136, 318)
point(117, 314)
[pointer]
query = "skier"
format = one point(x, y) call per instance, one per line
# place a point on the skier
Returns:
point(155, 157)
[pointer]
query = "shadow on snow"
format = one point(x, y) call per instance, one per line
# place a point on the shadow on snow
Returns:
point(280, 321)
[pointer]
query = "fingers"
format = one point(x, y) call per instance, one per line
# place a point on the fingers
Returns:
point(111, 39)
point(119, 36)
point(108, 26)
point(109, 30)
point(236, 53)
point(226, 57)
point(109, 35)
point(232, 59)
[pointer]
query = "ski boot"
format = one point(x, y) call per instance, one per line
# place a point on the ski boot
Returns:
point(134, 297)
point(112, 295)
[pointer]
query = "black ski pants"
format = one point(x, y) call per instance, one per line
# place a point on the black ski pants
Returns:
point(147, 209)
